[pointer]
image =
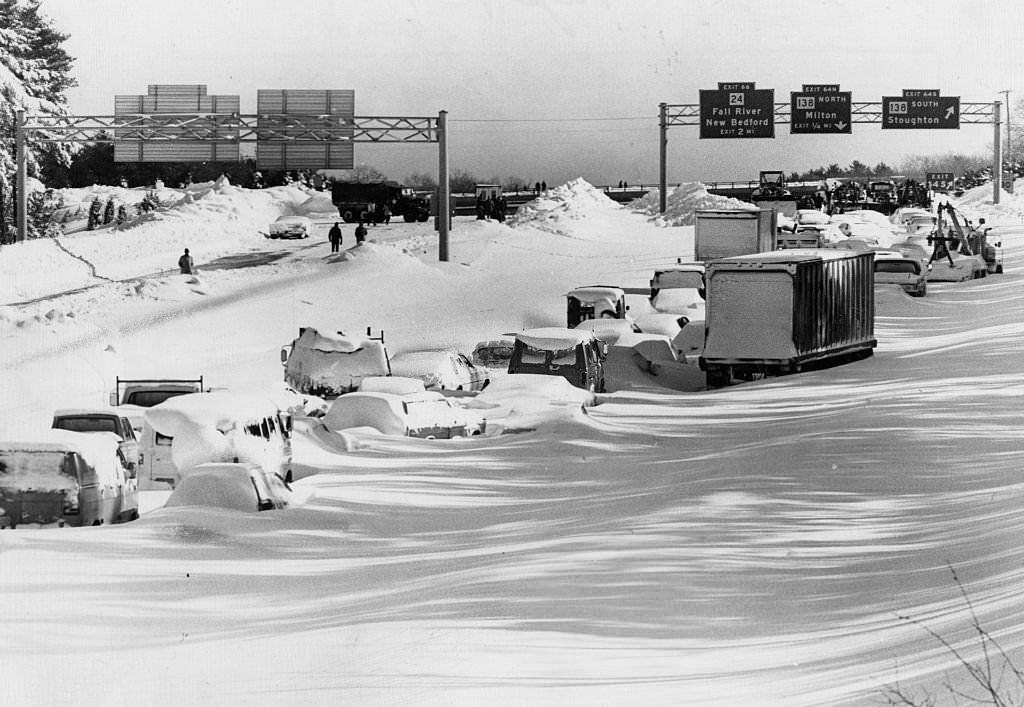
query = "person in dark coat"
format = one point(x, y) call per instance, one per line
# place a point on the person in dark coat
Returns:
point(185, 263)
point(360, 233)
point(334, 235)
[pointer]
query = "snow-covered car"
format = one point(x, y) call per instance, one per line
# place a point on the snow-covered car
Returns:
point(810, 220)
point(442, 369)
point(101, 420)
point(428, 415)
point(664, 323)
point(237, 486)
point(895, 268)
point(291, 227)
point(327, 365)
point(574, 354)
point(494, 353)
point(396, 385)
point(679, 289)
point(60, 478)
point(595, 302)
point(608, 330)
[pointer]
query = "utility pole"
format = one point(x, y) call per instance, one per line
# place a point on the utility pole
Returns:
point(1009, 143)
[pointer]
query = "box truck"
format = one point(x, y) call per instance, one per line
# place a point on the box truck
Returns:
point(723, 233)
point(787, 311)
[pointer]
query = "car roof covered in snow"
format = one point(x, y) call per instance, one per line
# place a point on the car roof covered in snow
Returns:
point(595, 293)
point(219, 409)
point(555, 338)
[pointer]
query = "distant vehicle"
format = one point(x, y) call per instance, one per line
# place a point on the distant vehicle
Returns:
point(810, 220)
point(328, 365)
point(184, 432)
point(291, 227)
point(365, 201)
point(595, 302)
point(723, 233)
point(893, 267)
point(428, 415)
point(60, 478)
point(493, 353)
point(442, 369)
point(679, 289)
point(771, 193)
point(101, 420)
point(667, 324)
point(237, 486)
point(576, 355)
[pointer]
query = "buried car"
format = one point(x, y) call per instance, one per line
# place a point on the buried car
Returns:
point(101, 420)
point(291, 227)
point(574, 354)
point(428, 415)
point(62, 478)
point(595, 302)
point(442, 369)
point(895, 268)
point(238, 486)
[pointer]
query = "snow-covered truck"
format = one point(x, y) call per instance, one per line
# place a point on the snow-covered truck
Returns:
point(723, 233)
point(328, 365)
point(787, 311)
point(135, 395)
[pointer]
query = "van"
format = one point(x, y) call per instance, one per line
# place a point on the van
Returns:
point(62, 478)
point(219, 426)
point(574, 354)
point(328, 365)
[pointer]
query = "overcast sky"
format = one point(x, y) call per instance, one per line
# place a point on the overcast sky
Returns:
point(558, 89)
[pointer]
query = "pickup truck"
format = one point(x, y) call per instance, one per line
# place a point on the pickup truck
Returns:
point(137, 394)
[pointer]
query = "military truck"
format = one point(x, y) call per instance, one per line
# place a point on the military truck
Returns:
point(366, 202)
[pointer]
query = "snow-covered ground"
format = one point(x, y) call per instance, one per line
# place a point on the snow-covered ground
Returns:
point(751, 545)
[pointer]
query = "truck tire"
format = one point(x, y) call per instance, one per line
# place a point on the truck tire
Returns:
point(347, 216)
point(718, 377)
point(363, 216)
point(422, 217)
point(408, 218)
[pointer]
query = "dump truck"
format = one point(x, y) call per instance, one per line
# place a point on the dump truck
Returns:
point(365, 201)
point(787, 311)
point(723, 233)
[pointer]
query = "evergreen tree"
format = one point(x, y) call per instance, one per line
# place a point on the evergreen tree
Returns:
point(108, 211)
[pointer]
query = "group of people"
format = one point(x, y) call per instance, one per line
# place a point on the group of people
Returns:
point(488, 207)
point(334, 235)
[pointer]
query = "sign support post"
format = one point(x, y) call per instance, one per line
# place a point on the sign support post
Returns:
point(444, 211)
point(662, 155)
point(997, 154)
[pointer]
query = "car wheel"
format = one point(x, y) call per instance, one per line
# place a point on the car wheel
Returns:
point(430, 437)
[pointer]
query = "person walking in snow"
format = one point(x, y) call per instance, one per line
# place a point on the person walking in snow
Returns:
point(334, 235)
point(360, 233)
point(185, 263)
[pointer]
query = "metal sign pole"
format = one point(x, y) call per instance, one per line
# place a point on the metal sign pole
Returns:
point(997, 154)
point(663, 143)
point(444, 212)
point(21, 198)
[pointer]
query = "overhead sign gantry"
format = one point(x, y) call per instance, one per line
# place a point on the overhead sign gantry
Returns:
point(740, 110)
point(295, 129)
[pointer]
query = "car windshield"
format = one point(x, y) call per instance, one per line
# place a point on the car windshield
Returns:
point(533, 355)
point(682, 279)
point(564, 357)
point(86, 424)
point(149, 398)
point(898, 266)
point(41, 470)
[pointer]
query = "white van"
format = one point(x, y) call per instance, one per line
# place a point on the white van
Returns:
point(188, 430)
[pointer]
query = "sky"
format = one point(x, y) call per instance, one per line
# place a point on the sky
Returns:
point(545, 90)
